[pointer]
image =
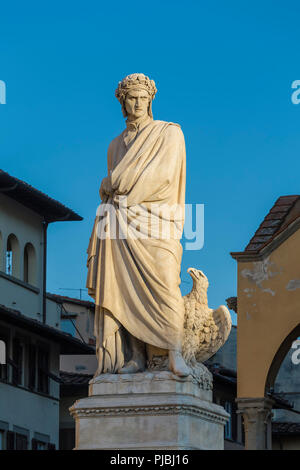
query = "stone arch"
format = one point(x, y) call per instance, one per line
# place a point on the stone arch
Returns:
point(29, 274)
point(280, 356)
point(12, 266)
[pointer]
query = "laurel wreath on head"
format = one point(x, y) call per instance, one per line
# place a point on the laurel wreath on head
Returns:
point(135, 80)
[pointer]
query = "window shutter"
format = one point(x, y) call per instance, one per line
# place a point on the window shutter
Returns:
point(10, 440)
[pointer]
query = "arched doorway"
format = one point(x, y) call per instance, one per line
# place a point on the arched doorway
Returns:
point(280, 356)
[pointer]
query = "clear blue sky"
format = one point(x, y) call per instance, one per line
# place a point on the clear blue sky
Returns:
point(223, 71)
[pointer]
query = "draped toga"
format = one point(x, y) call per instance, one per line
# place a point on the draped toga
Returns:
point(135, 278)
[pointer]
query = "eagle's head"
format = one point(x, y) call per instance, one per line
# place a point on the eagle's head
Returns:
point(198, 277)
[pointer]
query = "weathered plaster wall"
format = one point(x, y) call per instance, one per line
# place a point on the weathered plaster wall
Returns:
point(268, 310)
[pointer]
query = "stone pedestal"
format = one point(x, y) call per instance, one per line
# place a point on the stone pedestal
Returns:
point(149, 410)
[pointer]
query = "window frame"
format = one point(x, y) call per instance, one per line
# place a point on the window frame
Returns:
point(21, 438)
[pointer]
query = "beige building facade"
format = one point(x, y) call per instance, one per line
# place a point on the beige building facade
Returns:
point(268, 304)
point(29, 321)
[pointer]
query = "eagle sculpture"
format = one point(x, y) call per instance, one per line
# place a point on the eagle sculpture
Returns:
point(205, 332)
point(205, 329)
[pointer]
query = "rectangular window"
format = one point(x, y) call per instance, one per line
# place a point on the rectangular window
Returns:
point(4, 367)
point(228, 427)
point(4, 426)
point(68, 325)
point(43, 370)
point(36, 444)
point(10, 440)
point(32, 366)
point(21, 442)
point(2, 440)
point(3, 372)
point(18, 352)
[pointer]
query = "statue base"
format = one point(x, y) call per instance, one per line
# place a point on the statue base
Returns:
point(151, 410)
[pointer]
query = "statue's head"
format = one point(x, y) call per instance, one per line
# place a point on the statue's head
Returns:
point(135, 93)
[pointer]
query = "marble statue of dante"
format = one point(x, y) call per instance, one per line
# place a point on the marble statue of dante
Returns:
point(135, 280)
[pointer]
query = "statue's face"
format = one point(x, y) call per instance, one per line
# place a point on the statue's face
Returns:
point(137, 103)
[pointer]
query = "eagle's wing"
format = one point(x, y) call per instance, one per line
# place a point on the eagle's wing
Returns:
point(214, 334)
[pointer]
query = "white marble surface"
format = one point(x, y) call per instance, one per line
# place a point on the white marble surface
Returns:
point(150, 410)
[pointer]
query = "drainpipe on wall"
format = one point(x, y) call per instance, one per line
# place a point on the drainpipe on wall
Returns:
point(45, 226)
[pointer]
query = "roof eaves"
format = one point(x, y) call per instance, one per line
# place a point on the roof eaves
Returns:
point(61, 299)
point(259, 251)
point(39, 202)
point(69, 344)
point(285, 428)
point(270, 226)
